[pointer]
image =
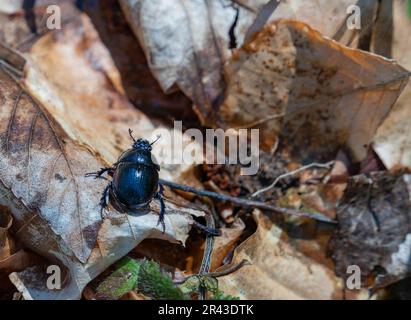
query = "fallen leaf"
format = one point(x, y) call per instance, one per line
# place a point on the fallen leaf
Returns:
point(12, 257)
point(192, 39)
point(50, 139)
point(374, 228)
point(290, 81)
point(277, 270)
point(331, 18)
point(45, 170)
point(141, 87)
point(6, 243)
point(225, 243)
point(75, 55)
point(392, 142)
point(21, 25)
point(190, 42)
point(11, 6)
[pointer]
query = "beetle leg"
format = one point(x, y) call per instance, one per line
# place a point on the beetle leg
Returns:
point(98, 174)
point(105, 199)
point(159, 196)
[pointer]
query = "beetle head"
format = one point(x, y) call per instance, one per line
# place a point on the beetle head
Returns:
point(142, 145)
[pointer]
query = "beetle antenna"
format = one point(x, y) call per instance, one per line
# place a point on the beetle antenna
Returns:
point(130, 132)
point(158, 137)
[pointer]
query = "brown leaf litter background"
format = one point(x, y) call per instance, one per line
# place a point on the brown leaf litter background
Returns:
point(301, 80)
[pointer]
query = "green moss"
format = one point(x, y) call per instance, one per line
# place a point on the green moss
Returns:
point(121, 281)
point(153, 283)
point(146, 277)
point(210, 284)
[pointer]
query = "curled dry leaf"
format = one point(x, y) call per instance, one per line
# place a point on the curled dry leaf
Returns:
point(11, 6)
point(22, 24)
point(328, 17)
point(393, 140)
point(90, 115)
point(313, 92)
point(224, 244)
point(49, 140)
point(12, 258)
point(190, 42)
point(277, 270)
point(375, 228)
point(45, 170)
point(6, 243)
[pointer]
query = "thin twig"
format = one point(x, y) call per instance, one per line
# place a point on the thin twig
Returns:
point(229, 270)
point(217, 274)
point(291, 173)
point(206, 262)
point(206, 229)
point(261, 121)
point(13, 72)
point(247, 203)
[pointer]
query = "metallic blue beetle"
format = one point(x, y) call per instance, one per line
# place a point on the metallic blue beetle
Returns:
point(135, 180)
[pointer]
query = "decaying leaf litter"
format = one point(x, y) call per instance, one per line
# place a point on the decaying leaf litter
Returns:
point(314, 100)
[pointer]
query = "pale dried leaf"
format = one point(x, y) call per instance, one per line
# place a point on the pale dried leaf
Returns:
point(291, 81)
point(49, 142)
point(91, 116)
point(21, 28)
point(277, 270)
point(328, 17)
point(5, 241)
point(45, 170)
point(225, 243)
point(191, 40)
point(187, 42)
point(10, 6)
point(393, 139)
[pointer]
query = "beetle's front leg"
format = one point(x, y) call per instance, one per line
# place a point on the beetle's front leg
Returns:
point(99, 174)
point(105, 199)
point(159, 196)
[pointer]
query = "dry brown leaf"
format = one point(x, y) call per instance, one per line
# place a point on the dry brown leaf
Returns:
point(141, 87)
point(45, 170)
point(22, 27)
point(6, 243)
point(277, 270)
point(12, 258)
point(291, 81)
point(189, 43)
point(50, 139)
point(75, 55)
point(192, 39)
point(375, 228)
point(11, 6)
point(225, 243)
point(393, 139)
point(328, 17)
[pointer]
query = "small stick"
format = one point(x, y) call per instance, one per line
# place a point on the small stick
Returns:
point(206, 262)
point(247, 203)
point(309, 166)
point(216, 274)
point(13, 72)
point(206, 229)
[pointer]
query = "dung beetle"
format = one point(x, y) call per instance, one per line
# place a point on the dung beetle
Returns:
point(135, 180)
